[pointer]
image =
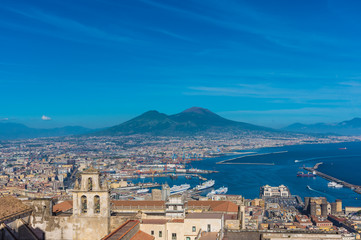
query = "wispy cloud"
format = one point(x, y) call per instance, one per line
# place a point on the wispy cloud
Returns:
point(75, 28)
point(45, 118)
point(334, 94)
point(268, 27)
point(173, 35)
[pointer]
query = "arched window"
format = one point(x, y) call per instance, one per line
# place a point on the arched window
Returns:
point(96, 204)
point(90, 184)
point(84, 204)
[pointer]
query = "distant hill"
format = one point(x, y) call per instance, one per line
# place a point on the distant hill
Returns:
point(350, 127)
point(192, 121)
point(18, 131)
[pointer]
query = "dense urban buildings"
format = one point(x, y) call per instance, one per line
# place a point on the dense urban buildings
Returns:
point(81, 188)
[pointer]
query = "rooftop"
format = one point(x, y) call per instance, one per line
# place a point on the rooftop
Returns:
point(204, 215)
point(11, 206)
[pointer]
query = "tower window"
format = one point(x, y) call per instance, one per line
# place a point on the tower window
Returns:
point(96, 204)
point(160, 234)
point(84, 204)
point(90, 184)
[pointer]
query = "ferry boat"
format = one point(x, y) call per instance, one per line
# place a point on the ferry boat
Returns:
point(302, 174)
point(179, 189)
point(221, 190)
point(143, 190)
point(205, 185)
point(334, 185)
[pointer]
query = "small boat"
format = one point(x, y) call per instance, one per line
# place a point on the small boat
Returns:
point(143, 190)
point(173, 176)
point(334, 185)
point(344, 148)
point(297, 160)
point(188, 176)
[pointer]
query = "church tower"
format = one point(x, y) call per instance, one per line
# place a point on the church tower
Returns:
point(91, 206)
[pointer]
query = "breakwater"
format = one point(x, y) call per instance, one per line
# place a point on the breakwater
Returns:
point(355, 188)
point(229, 161)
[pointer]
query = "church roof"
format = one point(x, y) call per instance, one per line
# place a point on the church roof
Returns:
point(11, 206)
point(122, 230)
point(117, 203)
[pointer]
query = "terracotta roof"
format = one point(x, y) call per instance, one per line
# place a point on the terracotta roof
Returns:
point(11, 206)
point(140, 235)
point(230, 216)
point(216, 206)
point(122, 230)
point(175, 220)
point(63, 206)
point(138, 203)
point(154, 221)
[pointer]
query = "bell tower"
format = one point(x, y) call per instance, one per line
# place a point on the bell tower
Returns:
point(91, 206)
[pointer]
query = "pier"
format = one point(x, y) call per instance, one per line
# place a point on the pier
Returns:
point(355, 188)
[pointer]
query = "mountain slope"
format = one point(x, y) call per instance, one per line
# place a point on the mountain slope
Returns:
point(350, 127)
point(17, 131)
point(189, 122)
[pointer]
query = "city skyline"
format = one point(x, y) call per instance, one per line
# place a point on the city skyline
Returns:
point(101, 63)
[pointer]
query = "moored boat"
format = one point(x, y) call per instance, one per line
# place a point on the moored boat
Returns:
point(205, 185)
point(179, 189)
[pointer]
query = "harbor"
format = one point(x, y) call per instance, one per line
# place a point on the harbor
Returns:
point(355, 188)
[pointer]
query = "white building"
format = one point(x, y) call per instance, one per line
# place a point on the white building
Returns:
point(280, 191)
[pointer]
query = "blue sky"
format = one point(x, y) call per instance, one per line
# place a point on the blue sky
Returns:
point(97, 63)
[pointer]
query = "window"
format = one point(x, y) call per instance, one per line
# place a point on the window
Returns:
point(152, 232)
point(175, 207)
point(84, 204)
point(90, 184)
point(193, 228)
point(160, 234)
point(174, 236)
point(208, 227)
point(96, 204)
point(188, 238)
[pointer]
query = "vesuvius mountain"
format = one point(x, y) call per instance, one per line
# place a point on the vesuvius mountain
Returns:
point(192, 121)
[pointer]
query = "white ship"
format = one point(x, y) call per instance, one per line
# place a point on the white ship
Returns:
point(222, 190)
point(334, 185)
point(205, 185)
point(143, 190)
point(179, 189)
